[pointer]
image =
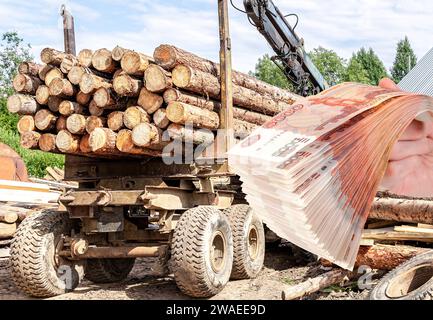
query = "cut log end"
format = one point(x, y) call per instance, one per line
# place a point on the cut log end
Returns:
point(117, 53)
point(76, 124)
point(165, 56)
point(182, 76)
point(67, 142)
point(45, 120)
point(25, 124)
point(94, 122)
point(22, 104)
point(160, 118)
point(149, 101)
point(85, 57)
point(134, 63)
point(42, 94)
point(143, 134)
point(102, 139)
point(30, 139)
point(157, 79)
point(102, 61)
point(124, 85)
point(67, 108)
point(115, 120)
point(47, 142)
point(133, 116)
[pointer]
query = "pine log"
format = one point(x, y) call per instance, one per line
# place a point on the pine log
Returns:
point(157, 79)
point(53, 74)
point(83, 98)
point(160, 118)
point(146, 134)
point(102, 140)
point(169, 57)
point(30, 139)
point(76, 124)
point(105, 98)
point(24, 83)
point(102, 61)
point(61, 123)
point(196, 81)
point(242, 129)
point(54, 103)
point(94, 122)
point(183, 113)
point(26, 123)
point(135, 63)
point(30, 68)
point(89, 83)
point(94, 110)
point(45, 120)
point(52, 56)
point(149, 101)
point(68, 62)
point(125, 144)
point(133, 116)
point(22, 104)
point(62, 88)
point(85, 57)
point(67, 108)
point(84, 144)
point(75, 74)
point(42, 94)
point(43, 71)
point(124, 85)
point(8, 217)
point(115, 121)
point(191, 135)
point(7, 230)
point(67, 142)
point(47, 142)
point(117, 53)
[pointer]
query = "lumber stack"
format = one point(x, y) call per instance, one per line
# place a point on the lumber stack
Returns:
point(125, 103)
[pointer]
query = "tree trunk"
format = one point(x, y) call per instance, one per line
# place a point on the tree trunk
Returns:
point(183, 113)
point(126, 86)
point(157, 79)
point(7, 230)
point(54, 103)
point(102, 61)
point(196, 136)
point(24, 83)
point(89, 83)
point(22, 104)
point(83, 98)
point(94, 122)
point(115, 120)
point(52, 56)
point(67, 108)
point(76, 124)
point(117, 53)
point(85, 57)
point(53, 74)
point(47, 142)
point(149, 101)
point(145, 135)
point(133, 116)
point(61, 123)
point(8, 217)
point(25, 124)
point(196, 81)
point(135, 63)
point(62, 88)
point(30, 139)
point(42, 95)
point(67, 142)
point(68, 62)
point(160, 118)
point(30, 68)
point(102, 140)
point(45, 120)
point(125, 144)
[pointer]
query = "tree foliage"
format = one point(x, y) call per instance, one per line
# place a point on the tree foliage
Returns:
point(405, 60)
point(329, 64)
point(267, 71)
point(366, 60)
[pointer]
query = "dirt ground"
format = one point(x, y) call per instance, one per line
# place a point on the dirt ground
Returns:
point(282, 265)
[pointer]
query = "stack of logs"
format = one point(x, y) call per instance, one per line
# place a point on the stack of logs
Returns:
point(10, 217)
point(124, 103)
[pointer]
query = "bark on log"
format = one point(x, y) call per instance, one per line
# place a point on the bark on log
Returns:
point(157, 79)
point(54, 103)
point(24, 83)
point(68, 62)
point(134, 63)
point(89, 83)
point(22, 104)
point(8, 217)
point(85, 57)
point(47, 142)
point(242, 129)
point(42, 95)
point(160, 118)
point(183, 113)
point(25, 124)
point(84, 144)
point(196, 81)
point(94, 110)
point(52, 56)
point(67, 108)
point(67, 142)
point(125, 144)
point(83, 98)
point(94, 122)
point(188, 134)
point(62, 88)
point(53, 74)
point(30, 68)
point(45, 120)
point(126, 86)
point(76, 124)
point(102, 61)
point(102, 140)
point(145, 135)
point(133, 116)
point(30, 139)
point(7, 230)
point(115, 121)
point(61, 123)
point(149, 101)
point(117, 53)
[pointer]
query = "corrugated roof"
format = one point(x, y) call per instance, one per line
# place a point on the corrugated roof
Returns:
point(420, 78)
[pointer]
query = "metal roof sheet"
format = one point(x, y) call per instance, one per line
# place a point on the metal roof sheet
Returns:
point(420, 78)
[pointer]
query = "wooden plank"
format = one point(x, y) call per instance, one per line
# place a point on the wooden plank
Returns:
point(390, 234)
point(425, 226)
point(54, 174)
point(412, 229)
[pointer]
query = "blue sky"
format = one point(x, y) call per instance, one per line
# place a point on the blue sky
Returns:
point(343, 26)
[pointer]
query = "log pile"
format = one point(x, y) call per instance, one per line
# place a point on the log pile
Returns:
point(125, 103)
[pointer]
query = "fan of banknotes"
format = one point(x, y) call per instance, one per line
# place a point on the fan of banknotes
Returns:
point(311, 173)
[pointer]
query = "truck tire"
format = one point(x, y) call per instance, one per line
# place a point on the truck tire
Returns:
point(108, 270)
point(248, 241)
point(412, 280)
point(202, 252)
point(36, 269)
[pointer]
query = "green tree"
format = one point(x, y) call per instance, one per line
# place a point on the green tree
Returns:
point(267, 71)
point(329, 64)
point(370, 63)
point(405, 60)
point(355, 72)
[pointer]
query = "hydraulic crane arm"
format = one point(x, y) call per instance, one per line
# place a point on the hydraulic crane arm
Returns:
point(289, 49)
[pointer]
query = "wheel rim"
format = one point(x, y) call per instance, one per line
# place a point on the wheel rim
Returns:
point(218, 251)
point(253, 242)
point(408, 281)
